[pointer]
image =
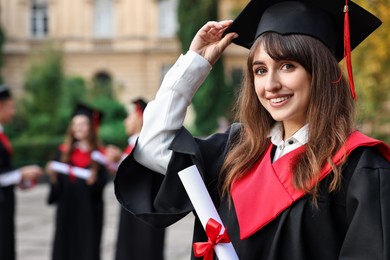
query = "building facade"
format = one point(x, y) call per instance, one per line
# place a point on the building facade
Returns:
point(131, 42)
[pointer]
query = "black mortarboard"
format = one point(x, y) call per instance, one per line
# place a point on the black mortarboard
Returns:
point(94, 114)
point(322, 19)
point(5, 93)
point(140, 105)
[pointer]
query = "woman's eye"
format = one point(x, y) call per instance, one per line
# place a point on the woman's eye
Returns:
point(287, 66)
point(260, 71)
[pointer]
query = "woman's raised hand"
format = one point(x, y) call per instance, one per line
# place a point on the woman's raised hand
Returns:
point(208, 41)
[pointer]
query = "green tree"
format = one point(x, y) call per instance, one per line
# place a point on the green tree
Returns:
point(35, 129)
point(214, 97)
point(43, 93)
point(73, 91)
point(47, 106)
point(371, 63)
point(100, 95)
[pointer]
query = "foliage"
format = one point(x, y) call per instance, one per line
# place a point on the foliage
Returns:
point(213, 101)
point(43, 93)
point(371, 61)
point(47, 105)
point(35, 150)
point(237, 6)
point(213, 98)
point(111, 130)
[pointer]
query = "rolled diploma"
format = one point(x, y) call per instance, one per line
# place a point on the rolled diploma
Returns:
point(102, 159)
point(204, 207)
point(99, 157)
point(64, 169)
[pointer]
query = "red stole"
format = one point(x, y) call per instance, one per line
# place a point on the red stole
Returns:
point(80, 158)
point(128, 149)
point(77, 158)
point(267, 190)
point(7, 144)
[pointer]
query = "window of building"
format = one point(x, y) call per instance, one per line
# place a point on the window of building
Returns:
point(103, 78)
point(103, 18)
point(102, 84)
point(167, 19)
point(39, 19)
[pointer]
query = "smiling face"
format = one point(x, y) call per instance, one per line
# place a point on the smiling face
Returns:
point(283, 88)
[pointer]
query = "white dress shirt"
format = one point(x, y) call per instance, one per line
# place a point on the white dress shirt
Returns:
point(165, 114)
point(283, 147)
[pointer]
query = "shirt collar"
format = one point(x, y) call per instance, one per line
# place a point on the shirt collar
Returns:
point(276, 134)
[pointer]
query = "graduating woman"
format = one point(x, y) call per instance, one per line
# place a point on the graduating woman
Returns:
point(293, 178)
point(78, 197)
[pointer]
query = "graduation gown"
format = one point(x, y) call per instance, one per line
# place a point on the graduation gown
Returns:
point(7, 206)
point(350, 223)
point(136, 239)
point(79, 214)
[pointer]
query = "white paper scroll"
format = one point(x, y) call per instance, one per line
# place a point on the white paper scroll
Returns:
point(10, 178)
point(66, 169)
point(100, 158)
point(204, 207)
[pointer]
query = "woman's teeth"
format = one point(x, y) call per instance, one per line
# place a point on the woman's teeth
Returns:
point(279, 99)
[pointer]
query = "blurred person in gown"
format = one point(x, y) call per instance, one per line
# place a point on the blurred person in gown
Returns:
point(136, 240)
point(78, 197)
point(24, 177)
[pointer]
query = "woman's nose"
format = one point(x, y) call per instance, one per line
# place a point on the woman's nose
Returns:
point(272, 82)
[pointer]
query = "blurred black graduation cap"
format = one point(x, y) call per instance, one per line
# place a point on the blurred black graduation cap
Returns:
point(5, 93)
point(140, 105)
point(94, 114)
point(321, 19)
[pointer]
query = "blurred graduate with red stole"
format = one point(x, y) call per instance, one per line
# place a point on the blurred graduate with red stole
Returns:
point(137, 240)
point(79, 201)
point(25, 177)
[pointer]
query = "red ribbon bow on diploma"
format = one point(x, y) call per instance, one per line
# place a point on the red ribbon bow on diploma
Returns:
point(206, 248)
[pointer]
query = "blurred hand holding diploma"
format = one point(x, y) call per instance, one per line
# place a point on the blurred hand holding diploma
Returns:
point(208, 215)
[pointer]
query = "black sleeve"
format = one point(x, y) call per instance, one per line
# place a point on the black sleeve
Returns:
point(161, 200)
point(101, 181)
point(368, 209)
point(55, 189)
point(5, 160)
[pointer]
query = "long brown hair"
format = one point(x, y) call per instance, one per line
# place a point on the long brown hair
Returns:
point(330, 114)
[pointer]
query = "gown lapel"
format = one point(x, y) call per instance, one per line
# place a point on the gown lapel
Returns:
point(267, 190)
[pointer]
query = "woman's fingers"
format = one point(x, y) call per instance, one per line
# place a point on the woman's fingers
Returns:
point(208, 42)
